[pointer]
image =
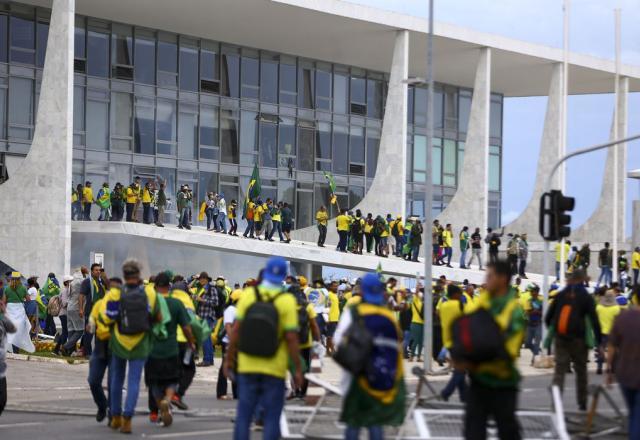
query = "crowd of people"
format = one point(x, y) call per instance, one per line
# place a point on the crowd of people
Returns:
point(272, 326)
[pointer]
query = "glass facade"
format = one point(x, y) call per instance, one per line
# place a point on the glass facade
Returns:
point(188, 110)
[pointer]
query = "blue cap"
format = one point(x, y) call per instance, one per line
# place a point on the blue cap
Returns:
point(372, 289)
point(276, 270)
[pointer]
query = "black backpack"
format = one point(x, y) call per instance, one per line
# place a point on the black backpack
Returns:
point(356, 226)
point(259, 333)
point(134, 316)
point(355, 347)
point(477, 338)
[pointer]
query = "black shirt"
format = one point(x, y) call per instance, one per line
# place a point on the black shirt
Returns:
point(476, 240)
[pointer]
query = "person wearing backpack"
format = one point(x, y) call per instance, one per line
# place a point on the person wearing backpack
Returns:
point(357, 232)
point(162, 370)
point(494, 242)
point(369, 343)
point(263, 340)
point(227, 323)
point(486, 342)
point(130, 312)
point(576, 329)
point(449, 310)
point(308, 334)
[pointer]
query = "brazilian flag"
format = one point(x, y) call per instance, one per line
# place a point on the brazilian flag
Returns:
point(332, 187)
point(253, 190)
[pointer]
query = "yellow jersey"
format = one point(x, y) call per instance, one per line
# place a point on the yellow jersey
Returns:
point(87, 195)
point(322, 217)
point(334, 307)
point(635, 260)
point(449, 311)
point(343, 222)
point(606, 316)
point(416, 311)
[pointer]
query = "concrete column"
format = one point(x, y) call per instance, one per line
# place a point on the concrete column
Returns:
point(35, 210)
point(469, 205)
point(389, 188)
point(599, 227)
point(527, 222)
point(635, 224)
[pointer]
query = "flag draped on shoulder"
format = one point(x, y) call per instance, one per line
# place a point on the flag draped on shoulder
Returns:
point(253, 190)
point(332, 187)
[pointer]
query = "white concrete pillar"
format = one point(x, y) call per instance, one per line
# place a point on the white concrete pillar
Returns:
point(469, 206)
point(527, 222)
point(599, 227)
point(388, 190)
point(35, 209)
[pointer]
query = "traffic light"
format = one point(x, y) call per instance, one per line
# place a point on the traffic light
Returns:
point(554, 220)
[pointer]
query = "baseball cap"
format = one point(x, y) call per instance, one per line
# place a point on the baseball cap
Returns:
point(67, 278)
point(275, 270)
point(372, 289)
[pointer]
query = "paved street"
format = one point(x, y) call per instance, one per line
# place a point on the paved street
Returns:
point(54, 397)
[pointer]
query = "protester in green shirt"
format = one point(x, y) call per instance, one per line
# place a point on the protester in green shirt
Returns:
point(162, 370)
point(464, 246)
point(15, 292)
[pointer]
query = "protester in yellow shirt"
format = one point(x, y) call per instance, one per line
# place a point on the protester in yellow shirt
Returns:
point(322, 217)
point(334, 315)
point(87, 200)
point(447, 240)
point(607, 311)
point(417, 326)
point(449, 311)
point(342, 223)
point(559, 255)
point(635, 264)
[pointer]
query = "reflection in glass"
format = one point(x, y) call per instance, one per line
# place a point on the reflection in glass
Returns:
point(145, 61)
point(121, 116)
point(323, 90)
point(420, 107)
point(97, 124)
point(358, 87)
point(78, 109)
point(356, 194)
point(229, 137)
point(167, 61)
point(166, 127)
point(340, 149)
point(231, 75)
point(23, 40)
point(373, 145)
point(436, 161)
point(419, 158)
point(122, 45)
point(250, 77)
point(268, 149)
point(494, 172)
point(98, 53)
point(288, 89)
point(79, 43)
point(306, 79)
point(188, 66)
point(144, 126)
point(20, 101)
point(287, 137)
point(374, 98)
point(304, 212)
point(269, 81)
point(464, 110)
point(305, 148)
point(340, 92)
point(356, 144)
point(187, 131)
point(209, 126)
point(248, 137)
point(323, 142)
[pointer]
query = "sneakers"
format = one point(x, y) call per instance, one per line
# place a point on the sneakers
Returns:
point(153, 417)
point(101, 415)
point(126, 425)
point(178, 403)
point(165, 412)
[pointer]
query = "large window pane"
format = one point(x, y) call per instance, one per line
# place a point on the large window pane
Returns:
point(187, 131)
point(145, 61)
point(436, 163)
point(358, 88)
point(323, 142)
point(121, 116)
point(97, 124)
point(167, 61)
point(373, 146)
point(438, 109)
point(356, 194)
point(145, 126)
point(269, 80)
point(374, 98)
point(208, 183)
point(494, 173)
point(410, 105)
point(304, 212)
point(4, 41)
point(356, 144)
point(229, 137)
point(250, 77)
point(287, 137)
point(419, 158)
point(79, 43)
point(42, 34)
point(122, 45)
point(188, 65)
point(340, 92)
point(248, 137)
point(166, 127)
point(288, 87)
point(449, 163)
point(323, 89)
point(420, 107)
point(231, 75)
point(306, 148)
point(23, 40)
point(464, 110)
point(340, 149)
point(268, 148)
point(78, 114)
point(98, 53)
point(209, 126)
point(21, 102)
point(306, 80)
point(209, 63)
point(450, 109)
point(495, 130)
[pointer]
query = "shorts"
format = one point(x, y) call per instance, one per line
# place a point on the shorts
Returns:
point(322, 326)
point(286, 227)
point(331, 329)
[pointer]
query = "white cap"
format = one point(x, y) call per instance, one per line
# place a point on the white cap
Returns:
point(67, 278)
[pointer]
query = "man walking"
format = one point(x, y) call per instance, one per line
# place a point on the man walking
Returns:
point(260, 349)
point(321, 218)
point(605, 262)
point(87, 201)
point(568, 314)
point(447, 244)
point(464, 246)
point(342, 223)
point(494, 384)
point(206, 300)
point(493, 240)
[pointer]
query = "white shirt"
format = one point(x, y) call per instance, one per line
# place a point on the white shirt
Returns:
point(343, 325)
point(228, 318)
point(33, 293)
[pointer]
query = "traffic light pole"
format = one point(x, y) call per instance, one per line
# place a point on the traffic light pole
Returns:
point(547, 188)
